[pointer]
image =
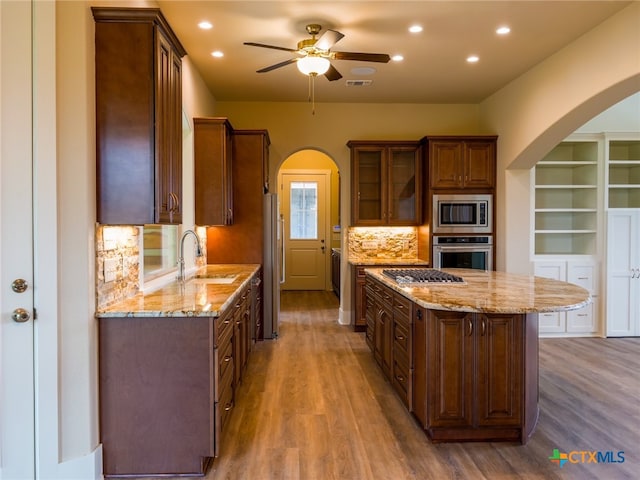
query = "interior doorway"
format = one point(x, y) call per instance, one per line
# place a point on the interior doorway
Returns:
point(308, 186)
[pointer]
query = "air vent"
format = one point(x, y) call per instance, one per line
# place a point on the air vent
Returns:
point(359, 83)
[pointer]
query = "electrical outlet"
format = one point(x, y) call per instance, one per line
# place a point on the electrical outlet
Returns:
point(405, 244)
point(110, 269)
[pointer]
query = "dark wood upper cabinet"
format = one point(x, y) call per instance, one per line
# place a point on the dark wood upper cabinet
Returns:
point(213, 170)
point(138, 63)
point(462, 162)
point(386, 183)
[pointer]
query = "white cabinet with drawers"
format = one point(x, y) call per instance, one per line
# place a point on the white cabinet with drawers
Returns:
point(581, 322)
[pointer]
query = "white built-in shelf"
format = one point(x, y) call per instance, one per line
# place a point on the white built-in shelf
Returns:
point(623, 185)
point(566, 200)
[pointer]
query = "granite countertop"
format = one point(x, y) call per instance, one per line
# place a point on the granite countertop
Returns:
point(197, 297)
point(364, 261)
point(493, 292)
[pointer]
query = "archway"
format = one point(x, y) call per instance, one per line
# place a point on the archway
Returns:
point(299, 167)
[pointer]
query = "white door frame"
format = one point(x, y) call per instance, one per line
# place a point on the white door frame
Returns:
point(327, 175)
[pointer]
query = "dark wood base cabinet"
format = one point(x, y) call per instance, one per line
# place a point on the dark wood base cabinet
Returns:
point(464, 376)
point(157, 395)
point(168, 387)
point(481, 376)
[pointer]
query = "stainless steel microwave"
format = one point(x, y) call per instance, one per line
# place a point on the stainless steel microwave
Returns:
point(462, 213)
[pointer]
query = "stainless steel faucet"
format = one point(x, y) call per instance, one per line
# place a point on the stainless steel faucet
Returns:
point(181, 259)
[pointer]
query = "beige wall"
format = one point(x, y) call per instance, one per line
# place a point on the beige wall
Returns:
point(539, 109)
point(76, 388)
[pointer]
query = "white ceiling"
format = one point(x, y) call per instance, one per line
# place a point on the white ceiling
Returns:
point(434, 69)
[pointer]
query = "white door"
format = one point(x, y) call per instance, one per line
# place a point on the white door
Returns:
point(623, 273)
point(304, 209)
point(17, 440)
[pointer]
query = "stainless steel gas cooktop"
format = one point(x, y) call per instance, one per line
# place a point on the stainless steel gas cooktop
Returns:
point(419, 276)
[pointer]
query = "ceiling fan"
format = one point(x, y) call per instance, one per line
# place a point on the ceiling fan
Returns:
point(314, 54)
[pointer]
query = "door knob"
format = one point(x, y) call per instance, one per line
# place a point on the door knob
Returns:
point(20, 315)
point(19, 285)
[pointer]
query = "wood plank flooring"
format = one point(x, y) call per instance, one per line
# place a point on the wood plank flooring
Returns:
point(315, 405)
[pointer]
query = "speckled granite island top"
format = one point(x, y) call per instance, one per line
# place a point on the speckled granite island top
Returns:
point(492, 292)
point(205, 294)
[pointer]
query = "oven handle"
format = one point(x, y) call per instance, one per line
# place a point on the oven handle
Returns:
point(465, 248)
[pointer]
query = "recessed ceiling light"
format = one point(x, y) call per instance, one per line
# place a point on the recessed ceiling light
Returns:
point(217, 54)
point(503, 30)
point(415, 28)
point(397, 58)
point(473, 58)
point(204, 25)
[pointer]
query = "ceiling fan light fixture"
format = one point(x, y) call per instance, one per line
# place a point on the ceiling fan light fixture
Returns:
point(312, 65)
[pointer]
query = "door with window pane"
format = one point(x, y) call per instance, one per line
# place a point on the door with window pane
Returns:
point(304, 198)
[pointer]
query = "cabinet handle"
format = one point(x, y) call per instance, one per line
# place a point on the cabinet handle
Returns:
point(400, 337)
point(227, 359)
point(228, 407)
point(583, 278)
point(582, 314)
point(484, 327)
point(400, 378)
point(470, 327)
point(633, 273)
point(399, 307)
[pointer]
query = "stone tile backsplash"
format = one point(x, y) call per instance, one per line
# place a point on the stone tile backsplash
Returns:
point(382, 242)
point(118, 247)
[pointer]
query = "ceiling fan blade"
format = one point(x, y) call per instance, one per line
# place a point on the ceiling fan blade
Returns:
point(328, 39)
point(332, 74)
point(253, 44)
point(277, 65)
point(363, 57)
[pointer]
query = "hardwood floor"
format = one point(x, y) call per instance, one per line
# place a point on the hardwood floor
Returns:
point(315, 405)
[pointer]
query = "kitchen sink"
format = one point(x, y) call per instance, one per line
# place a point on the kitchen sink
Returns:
point(215, 278)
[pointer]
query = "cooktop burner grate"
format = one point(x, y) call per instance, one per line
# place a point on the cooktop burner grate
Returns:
point(420, 276)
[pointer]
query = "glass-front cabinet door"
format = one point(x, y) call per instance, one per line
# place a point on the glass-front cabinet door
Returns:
point(404, 191)
point(368, 176)
point(386, 186)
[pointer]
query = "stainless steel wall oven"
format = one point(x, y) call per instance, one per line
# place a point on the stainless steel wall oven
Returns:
point(463, 252)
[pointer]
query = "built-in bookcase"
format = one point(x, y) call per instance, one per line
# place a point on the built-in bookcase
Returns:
point(566, 200)
point(623, 168)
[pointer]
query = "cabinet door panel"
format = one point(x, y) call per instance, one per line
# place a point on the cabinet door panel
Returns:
point(583, 320)
point(499, 377)
point(449, 392)
point(479, 165)
point(445, 164)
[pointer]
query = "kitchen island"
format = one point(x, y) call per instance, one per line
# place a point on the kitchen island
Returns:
point(170, 363)
point(464, 356)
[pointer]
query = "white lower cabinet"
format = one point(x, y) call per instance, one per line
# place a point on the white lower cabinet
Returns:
point(581, 322)
point(623, 273)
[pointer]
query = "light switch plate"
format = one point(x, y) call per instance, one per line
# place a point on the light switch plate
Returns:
point(111, 266)
point(369, 244)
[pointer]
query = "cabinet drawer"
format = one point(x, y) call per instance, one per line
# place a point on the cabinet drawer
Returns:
point(400, 377)
point(402, 307)
point(384, 293)
point(224, 326)
point(400, 338)
point(225, 357)
point(225, 398)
